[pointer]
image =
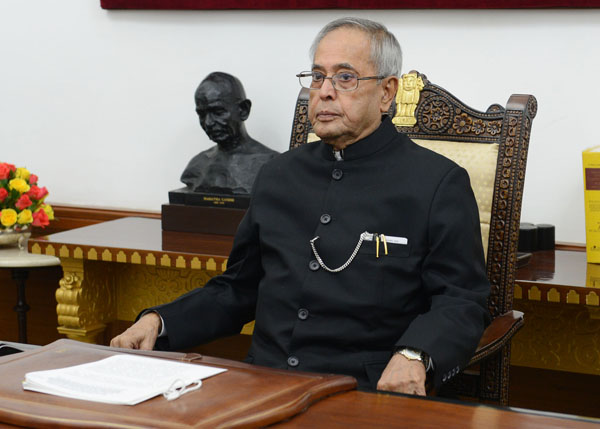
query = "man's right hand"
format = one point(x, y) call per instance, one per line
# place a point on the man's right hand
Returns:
point(141, 335)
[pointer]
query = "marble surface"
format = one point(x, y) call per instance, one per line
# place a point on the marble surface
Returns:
point(13, 257)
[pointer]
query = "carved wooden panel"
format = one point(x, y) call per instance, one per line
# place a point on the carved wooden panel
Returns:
point(140, 287)
point(301, 126)
point(558, 337)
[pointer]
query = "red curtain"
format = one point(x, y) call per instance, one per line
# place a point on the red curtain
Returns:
point(344, 4)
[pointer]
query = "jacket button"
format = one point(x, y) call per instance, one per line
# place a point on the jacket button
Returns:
point(293, 361)
point(337, 174)
point(303, 314)
point(313, 265)
point(325, 219)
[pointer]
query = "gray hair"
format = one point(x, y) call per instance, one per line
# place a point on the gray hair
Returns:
point(386, 53)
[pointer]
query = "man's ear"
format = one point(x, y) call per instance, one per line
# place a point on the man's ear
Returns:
point(390, 88)
point(244, 107)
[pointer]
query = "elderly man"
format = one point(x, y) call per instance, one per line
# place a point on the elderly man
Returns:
point(360, 254)
point(230, 166)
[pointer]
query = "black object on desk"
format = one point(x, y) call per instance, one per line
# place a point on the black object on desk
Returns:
point(6, 350)
point(528, 233)
point(533, 237)
point(9, 348)
point(545, 236)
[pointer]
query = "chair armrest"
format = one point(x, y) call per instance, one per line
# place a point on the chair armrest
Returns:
point(500, 331)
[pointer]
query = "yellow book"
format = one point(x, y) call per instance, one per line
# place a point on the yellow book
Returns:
point(591, 193)
point(592, 276)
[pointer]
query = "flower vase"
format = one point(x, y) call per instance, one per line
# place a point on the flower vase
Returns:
point(10, 238)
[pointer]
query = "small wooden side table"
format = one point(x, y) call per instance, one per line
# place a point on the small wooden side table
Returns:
point(20, 262)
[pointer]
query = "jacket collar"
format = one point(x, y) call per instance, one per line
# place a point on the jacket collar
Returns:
point(367, 146)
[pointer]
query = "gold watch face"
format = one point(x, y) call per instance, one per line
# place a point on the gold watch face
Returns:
point(411, 354)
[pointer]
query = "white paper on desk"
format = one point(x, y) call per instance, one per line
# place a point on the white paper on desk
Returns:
point(120, 379)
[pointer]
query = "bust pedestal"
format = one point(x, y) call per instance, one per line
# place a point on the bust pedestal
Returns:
point(189, 213)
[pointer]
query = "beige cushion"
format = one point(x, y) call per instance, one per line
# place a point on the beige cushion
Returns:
point(479, 159)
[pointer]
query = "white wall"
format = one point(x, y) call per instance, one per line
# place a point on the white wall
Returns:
point(100, 105)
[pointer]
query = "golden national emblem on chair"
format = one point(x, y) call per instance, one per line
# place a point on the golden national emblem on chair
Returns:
point(407, 98)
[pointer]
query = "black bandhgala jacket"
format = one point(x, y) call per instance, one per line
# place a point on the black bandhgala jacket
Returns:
point(428, 292)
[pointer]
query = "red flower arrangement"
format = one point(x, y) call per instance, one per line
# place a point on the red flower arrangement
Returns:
point(22, 200)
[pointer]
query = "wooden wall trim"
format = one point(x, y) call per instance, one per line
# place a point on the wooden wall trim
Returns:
point(577, 247)
point(71, 217)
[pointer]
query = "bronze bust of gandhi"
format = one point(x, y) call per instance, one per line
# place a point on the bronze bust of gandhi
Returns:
point(230, 166)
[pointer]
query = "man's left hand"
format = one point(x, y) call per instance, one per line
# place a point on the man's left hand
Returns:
point(403, 376)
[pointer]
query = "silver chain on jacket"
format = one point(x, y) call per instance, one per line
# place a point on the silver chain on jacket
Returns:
point(348, 262)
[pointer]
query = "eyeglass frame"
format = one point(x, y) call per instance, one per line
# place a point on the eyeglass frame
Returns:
point(358, 79)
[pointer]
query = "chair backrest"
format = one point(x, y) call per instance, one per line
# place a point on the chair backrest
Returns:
point(492, 147)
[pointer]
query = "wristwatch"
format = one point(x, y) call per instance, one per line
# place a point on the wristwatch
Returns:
point(412, 354)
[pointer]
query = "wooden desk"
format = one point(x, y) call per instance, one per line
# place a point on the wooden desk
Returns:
point(115, 269)
point(362, 410)
point(559, 293)
point(246, 396)
point(243, 396)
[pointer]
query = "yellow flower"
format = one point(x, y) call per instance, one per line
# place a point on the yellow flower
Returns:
point(22, 173)
point(49, 211)
point(20, 185)
point(8, 217)
point(25, 217)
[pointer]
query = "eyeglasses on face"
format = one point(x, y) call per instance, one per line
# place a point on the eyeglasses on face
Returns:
point(344, 81)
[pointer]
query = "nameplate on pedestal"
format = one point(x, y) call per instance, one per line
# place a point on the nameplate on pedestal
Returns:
point(190, 198)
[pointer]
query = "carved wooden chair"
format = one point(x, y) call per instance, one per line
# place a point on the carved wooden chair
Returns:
point(492, 147)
